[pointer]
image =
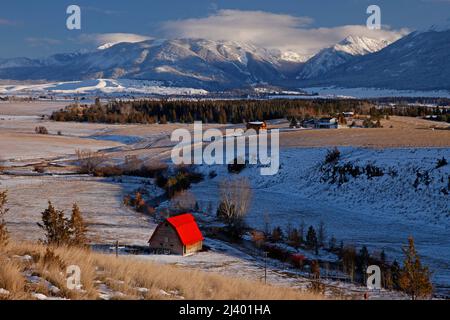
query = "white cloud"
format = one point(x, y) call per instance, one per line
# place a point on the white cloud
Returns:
point(270, 30)
point(112, 38)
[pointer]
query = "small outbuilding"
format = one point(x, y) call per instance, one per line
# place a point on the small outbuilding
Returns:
point(177, 235)
point(327, 123)
point(257, 125)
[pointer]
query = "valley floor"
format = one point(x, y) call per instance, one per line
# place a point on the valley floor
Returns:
point(380, 213)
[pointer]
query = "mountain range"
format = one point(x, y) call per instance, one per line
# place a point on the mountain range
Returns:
point(418, 61)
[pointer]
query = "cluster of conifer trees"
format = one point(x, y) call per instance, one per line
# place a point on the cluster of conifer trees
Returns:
point(233, 111)
point(207, 111)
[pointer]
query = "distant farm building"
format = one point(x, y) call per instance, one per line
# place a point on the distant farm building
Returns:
point(327, 123)
point(348, 115)
point(177, 235)
point(257, 125)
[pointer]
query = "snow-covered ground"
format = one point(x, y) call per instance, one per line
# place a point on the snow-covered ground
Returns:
point(225, 259)
point(100, 86)
point(100, 199)
point(380, 212)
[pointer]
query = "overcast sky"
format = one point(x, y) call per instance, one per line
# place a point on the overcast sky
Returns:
point(38, 28)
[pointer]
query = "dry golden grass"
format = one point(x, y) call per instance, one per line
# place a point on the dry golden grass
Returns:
point(125, 278)
point(397, 132)
point(12, 280)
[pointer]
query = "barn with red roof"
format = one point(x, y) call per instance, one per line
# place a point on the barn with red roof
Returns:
point(177, 235)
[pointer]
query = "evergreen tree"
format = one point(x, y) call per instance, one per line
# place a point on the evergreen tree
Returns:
point(362, 263)
point(77, 228)
point(321, 237)
point(414, 278)
point(395, 274)
point(332, 243)
point(3, 211)
point(293, 123)
point(383, 257)
point(311, 239)
point(277, 234)
point(55, 226)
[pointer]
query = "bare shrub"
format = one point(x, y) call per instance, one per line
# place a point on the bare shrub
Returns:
point(41, 130)
point(89, 161)
point(132, 163)
point(235, 199)
point(39, 169)
point(258, 238)
point(441, 163)
point(333, 156)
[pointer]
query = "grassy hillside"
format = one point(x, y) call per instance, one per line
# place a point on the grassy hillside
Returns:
point(31, 271)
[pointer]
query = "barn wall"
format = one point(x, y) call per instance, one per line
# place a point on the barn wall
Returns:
point(194, 247)
point(166, 238)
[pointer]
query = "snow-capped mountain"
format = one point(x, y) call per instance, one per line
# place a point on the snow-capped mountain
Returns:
point(193, 63)
point(418, 61)
point(329, 58)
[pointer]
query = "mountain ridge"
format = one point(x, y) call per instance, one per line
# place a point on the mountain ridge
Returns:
point(418, 61)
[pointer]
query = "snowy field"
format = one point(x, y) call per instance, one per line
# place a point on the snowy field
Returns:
point(99, 86)
point(100, 200)
point(380, 212)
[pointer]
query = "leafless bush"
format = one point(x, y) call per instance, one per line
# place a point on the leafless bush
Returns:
point(235, 198)
point(39, 168)
point(89, 161)
point(41, 130)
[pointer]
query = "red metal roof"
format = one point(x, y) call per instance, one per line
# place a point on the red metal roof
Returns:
point(187, 228)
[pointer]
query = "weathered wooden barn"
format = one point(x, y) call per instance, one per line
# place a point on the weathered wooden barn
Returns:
point(177, 235)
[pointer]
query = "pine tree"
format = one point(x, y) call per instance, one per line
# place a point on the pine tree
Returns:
point(3, 211)
point(321, 237)
point(311, 239)
point(332, 243)
point(55, 226)
point(301, 231)
point(78, 228)
point(363, 262)
point(293, 123)
point(395, 274)
point(383, 257)
point(277, 234)
point(414, 278)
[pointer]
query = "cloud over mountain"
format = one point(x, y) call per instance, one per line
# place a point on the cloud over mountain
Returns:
point(112, 38)
point(271, 30)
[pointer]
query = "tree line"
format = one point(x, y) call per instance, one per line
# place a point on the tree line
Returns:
point(207, 111)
